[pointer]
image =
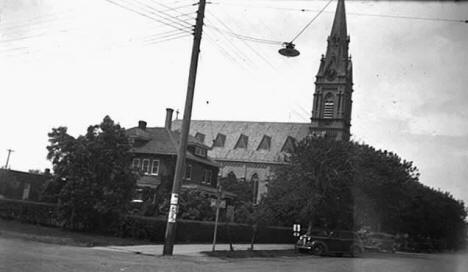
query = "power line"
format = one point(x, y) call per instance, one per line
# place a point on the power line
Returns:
point(163, 36)
point(168, 39)
point(243, 41)
point(147, 16)
point(347, 13)
point(221, 49)
point(248, 38)
point(239, 52)
point(161, 14)
point(311, 21)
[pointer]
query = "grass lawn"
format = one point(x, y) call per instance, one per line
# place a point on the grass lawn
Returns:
point(15, 229)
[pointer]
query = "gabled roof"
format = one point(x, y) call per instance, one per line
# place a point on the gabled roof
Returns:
point(161, 141)
point(279, 133)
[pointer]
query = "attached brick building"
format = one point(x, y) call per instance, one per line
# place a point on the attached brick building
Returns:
point(155, 153)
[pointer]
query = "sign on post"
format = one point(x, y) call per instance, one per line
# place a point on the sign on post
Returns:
point(296, 230)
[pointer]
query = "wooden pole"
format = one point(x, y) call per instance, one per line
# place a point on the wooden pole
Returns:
point(181, 154)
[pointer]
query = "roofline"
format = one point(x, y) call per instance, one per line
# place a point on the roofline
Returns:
point(248, 161)
point(236, 121)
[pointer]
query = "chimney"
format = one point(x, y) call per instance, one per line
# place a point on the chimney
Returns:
point(142, 125)
point(168, 124)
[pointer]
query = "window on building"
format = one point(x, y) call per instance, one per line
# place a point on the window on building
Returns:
point(242, 142)
point(328, 107)
point(207, 176)
point(200, 137)
point(145, 166)
point(155, 168)
point(136, 163)
point(220, 140)
point(265, 143)
point(200, 151)
point(289, 145)
point(188, 172)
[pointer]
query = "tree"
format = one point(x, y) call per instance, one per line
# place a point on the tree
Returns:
point(96, 169)
point(315, 187)
point(330, 184)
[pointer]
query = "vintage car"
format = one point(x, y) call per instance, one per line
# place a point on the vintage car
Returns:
point(334, 242)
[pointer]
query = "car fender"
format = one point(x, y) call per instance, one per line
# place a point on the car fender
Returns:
point(314, 243)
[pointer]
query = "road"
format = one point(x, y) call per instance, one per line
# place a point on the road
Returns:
point(23, 255)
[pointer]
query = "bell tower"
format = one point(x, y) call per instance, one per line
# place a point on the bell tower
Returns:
point(331, 111)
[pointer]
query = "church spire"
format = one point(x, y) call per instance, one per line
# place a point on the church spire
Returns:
point(339, 23)
point(335, 61)
point(331, 110)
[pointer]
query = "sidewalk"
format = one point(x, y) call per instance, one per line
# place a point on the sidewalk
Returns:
point(190, 249)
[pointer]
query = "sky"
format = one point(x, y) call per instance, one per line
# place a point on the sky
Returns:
point(70, 63)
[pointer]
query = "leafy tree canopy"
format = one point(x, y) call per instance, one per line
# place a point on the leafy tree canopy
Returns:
point(347, 185)
point(96, 169)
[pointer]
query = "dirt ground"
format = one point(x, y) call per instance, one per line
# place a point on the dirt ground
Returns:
point(23, 248)
point(28, 256)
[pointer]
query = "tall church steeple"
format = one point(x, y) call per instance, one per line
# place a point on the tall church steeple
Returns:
point(331, 112)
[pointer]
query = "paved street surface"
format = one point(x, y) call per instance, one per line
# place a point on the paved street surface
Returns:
point(190, 249)
point(22, 255)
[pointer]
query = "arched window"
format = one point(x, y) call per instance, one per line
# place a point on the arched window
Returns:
point(329, 106)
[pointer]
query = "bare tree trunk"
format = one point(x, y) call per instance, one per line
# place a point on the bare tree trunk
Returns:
point(311, 225)
point(231, 248)
point(254, 233)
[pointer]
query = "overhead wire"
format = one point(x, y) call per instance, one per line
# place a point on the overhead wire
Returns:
point(347, 13)
point(221, 49)
point(243, 56)
point(147, 16)
point(243, 41)
point(159, 13)
point(247, 37)
point(311, 21)
point(163, 36)
point(166, 39)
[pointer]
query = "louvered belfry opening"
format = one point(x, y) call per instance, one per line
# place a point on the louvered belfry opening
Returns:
point(328, 109)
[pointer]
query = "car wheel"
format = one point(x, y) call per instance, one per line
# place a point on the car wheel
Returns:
point(318, 249)
point(355, 251)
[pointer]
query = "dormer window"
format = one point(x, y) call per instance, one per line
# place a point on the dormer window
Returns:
point(200, 152)
point(200, 137)
point(242, 142)
point(265, 143)
point(289, 145)
point(220, 140)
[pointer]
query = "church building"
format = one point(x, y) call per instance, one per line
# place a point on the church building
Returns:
point(252, 150)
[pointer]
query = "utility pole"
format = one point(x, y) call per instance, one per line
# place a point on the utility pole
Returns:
point(181, 154)
point(8, 157)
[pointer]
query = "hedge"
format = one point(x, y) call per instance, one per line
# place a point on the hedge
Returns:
point(150, 228)
point(29, 212)
point(189, 231)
